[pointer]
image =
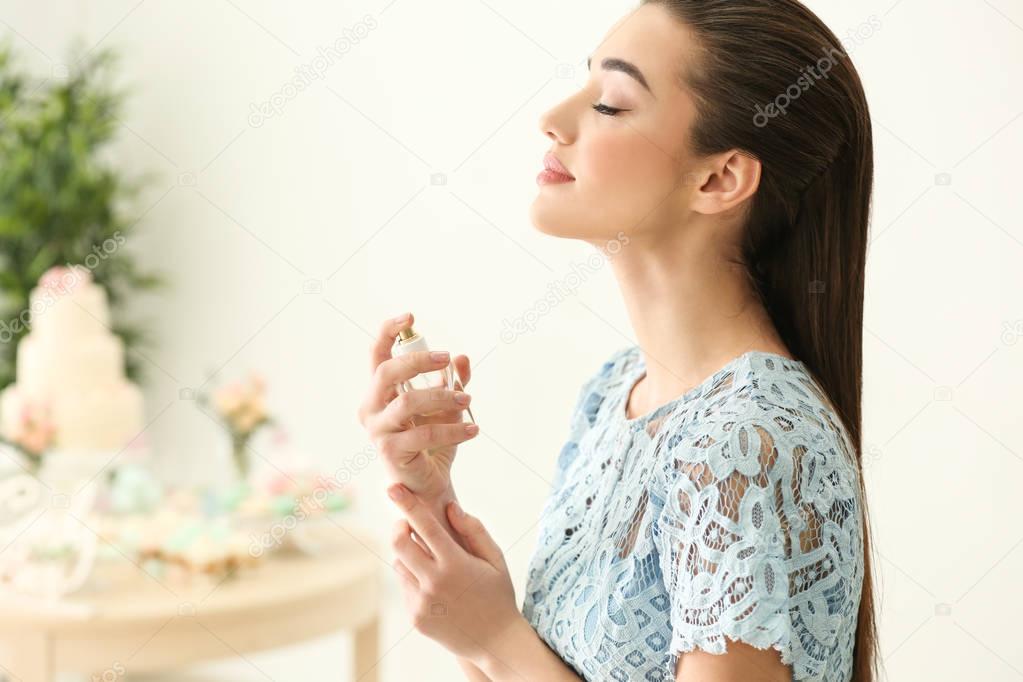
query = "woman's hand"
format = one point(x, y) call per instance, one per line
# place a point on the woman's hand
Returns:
point(465, 601)
point(418, 455)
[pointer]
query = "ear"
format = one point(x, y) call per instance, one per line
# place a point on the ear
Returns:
point(725, 181)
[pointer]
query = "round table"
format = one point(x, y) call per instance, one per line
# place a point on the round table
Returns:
point(140, 623)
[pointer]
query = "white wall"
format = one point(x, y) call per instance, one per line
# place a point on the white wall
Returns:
point(337, 188)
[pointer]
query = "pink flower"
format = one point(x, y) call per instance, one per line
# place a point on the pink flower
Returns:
point(242, 405)
point(34, 431)
point(36, 442)
point(62, 280)
point(279, 485)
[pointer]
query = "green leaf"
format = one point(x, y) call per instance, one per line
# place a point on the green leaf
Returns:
point(60, 195)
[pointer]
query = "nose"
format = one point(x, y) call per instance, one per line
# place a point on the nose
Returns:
point(547, 125)
point(556, 123)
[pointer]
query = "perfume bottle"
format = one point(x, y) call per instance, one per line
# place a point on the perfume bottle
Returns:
point(409, 341)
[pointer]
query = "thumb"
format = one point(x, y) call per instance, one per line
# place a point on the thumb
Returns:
point(479, 540)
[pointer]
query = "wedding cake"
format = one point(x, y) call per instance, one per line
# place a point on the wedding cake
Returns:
point(73, 365)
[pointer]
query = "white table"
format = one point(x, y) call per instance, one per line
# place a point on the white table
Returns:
point(140, 624)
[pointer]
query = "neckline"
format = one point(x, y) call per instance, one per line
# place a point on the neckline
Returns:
point(638, 370)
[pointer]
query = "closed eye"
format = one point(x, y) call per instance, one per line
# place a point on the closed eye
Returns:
point(606, 110)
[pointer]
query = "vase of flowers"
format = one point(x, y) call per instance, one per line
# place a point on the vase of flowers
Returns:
point(240, 406)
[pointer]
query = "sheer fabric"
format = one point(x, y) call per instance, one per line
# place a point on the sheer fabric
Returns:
point(731, 511)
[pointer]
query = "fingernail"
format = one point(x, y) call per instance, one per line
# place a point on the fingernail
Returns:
point(462, 398)
point(440, 355)
point(396, 493)
point(471, 429)
point(401, 318)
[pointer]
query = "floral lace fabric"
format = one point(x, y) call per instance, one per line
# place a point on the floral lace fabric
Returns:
point(732, 511)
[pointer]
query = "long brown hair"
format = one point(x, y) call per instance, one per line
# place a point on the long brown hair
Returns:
point(771, 80)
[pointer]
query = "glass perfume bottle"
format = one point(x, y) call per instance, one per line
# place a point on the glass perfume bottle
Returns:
point(410, 341)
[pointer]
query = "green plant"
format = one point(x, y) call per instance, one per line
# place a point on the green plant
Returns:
point(60, 201)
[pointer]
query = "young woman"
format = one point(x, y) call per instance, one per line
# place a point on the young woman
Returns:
point(707, 519)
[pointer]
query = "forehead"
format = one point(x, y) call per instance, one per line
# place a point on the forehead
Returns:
point(652, 39)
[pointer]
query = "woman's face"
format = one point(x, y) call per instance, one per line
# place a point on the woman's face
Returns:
point(628, 167)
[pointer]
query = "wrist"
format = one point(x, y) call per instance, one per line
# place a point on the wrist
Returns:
point(497, 658)
point(438, 503)
point(445, 496)
point(439, 507)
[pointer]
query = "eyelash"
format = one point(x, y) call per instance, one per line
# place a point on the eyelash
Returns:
point(606, 110)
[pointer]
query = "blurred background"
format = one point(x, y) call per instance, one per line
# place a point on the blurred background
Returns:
point(212, 206)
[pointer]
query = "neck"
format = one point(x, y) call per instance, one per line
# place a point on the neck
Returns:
point(692, 312)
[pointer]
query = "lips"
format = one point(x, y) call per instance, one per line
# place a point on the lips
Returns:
point(551, 163)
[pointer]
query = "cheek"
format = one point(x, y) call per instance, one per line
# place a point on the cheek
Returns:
point(624, 178)
point(612, 156)
point(625, 175)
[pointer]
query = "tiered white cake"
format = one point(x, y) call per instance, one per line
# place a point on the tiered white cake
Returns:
point(71, 361)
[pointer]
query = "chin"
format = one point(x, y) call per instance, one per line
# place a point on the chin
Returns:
point(559, 217)
point(554, 216)
point(556, 213)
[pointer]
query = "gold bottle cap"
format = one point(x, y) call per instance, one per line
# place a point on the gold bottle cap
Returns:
point(406, 334)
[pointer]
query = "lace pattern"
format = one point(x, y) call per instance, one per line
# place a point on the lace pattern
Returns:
point(729, 512)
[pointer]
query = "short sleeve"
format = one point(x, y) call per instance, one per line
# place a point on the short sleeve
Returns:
point(757, 538)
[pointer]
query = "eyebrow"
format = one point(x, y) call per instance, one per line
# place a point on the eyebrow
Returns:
point(615, 64)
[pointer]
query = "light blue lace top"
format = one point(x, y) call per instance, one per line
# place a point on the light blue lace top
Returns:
point(731, 511)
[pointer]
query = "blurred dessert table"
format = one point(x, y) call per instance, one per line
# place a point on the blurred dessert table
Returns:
point(139, 623)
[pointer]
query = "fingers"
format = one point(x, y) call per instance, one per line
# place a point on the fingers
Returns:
point(404, 367)
point(389, 372)
point(412, 556)
point(426, 437)
point(472, 529)
point(421, 402)
point(380, 394)
point(394, 371)
point(461, 363)
point(423, 522)
point(402, 570)
point(381, 349)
